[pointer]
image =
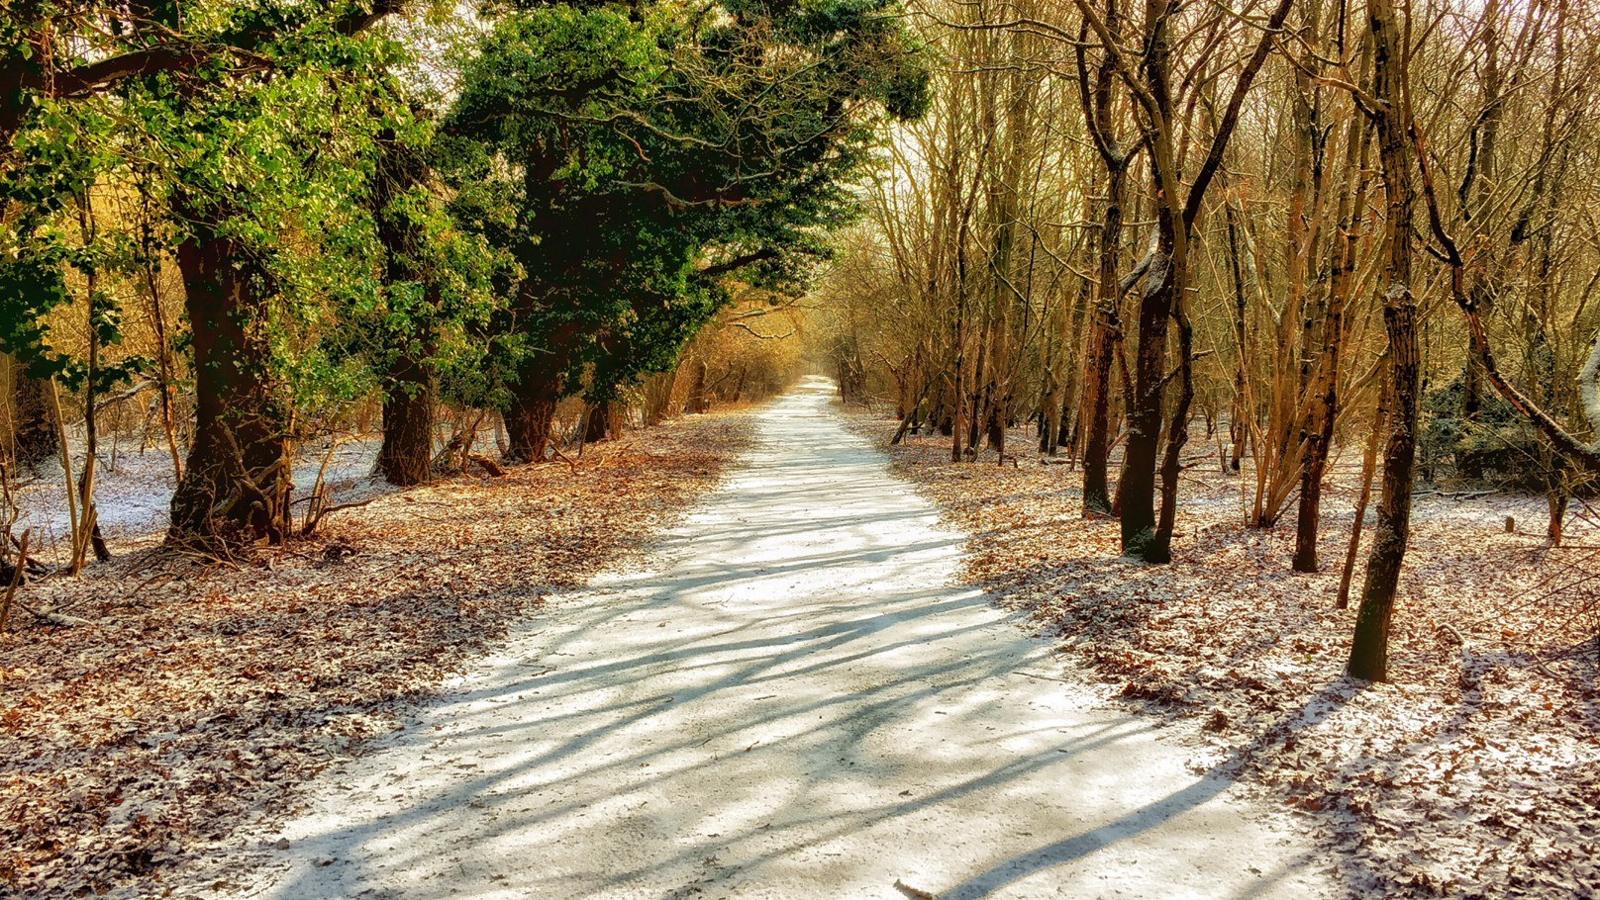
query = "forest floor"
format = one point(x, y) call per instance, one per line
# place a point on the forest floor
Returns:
point(1475, 773)
point(199, 697)
point(791, 696)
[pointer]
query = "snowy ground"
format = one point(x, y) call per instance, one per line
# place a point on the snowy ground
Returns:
point(1476, 773)
point(790, 697)
point(201, 696)
point(133, 491)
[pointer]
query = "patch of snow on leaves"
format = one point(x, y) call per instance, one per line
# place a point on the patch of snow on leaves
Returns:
point(1476, 773)
point(204, 694)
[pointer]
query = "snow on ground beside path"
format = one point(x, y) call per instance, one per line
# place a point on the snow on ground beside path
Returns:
point(1476, 773)
point(133, 491)
point(202, 696)
point(789, 697)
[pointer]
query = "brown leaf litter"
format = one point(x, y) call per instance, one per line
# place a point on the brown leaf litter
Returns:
point(204, 695)
point(1475, 773)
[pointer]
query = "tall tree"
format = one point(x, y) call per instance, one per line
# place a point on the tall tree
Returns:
point(1100, 112)
point(436, 289)
point(653, 156)
point(1389, 107)
point(1166, 273)
point(255, 155)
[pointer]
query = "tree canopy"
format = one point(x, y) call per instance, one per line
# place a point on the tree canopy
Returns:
point(553, 206)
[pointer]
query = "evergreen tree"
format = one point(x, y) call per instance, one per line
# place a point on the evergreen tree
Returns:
point(652, 153)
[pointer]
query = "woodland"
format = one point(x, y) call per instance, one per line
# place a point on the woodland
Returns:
point(1122, 245)
point(1251, 342)
point(1292, 304)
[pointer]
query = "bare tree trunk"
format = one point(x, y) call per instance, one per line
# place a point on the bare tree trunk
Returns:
point(597, 426)
point(1177, 434)
point(1314, 464)
point(1325, 402)
point(1137, 487)
point(1369, 652)
point(1099, 111)
point(33, 434)
point(1242, 411)
point(1097, 371)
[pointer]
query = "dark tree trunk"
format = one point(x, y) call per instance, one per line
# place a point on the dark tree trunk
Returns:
point(1472, 411)
point(236, 483)
point(1102, 345)
point(1099, 111)
point(1137, 488)
point(1048, 416)
point(410, 391)
point(1163, 296)
point(406, 457)
point(1369, 652)
point(541, 384)
point(528, 421)
point(1312, 469)
point(1160, 549)
point(530, 415)
point(1064, 424)
point(1314, 464)
point(975, 409)
point(1047, 409)
point(598, 425)
point(1238, 424)
point(1319, 438)
point(33, 430)
point(1097, 424)
point(997, 424)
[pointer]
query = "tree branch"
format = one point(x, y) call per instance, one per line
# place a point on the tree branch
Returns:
point(738, 262)
point(1230, 117)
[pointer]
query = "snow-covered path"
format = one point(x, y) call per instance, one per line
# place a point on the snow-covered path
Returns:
point(792, 698)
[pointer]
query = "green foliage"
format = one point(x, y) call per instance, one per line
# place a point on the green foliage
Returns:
point(438, 295)
point(279, 163)
point(603, 172)
point(649, 154)
point(48, 256)
point(265, 145)
point(1496, 448)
